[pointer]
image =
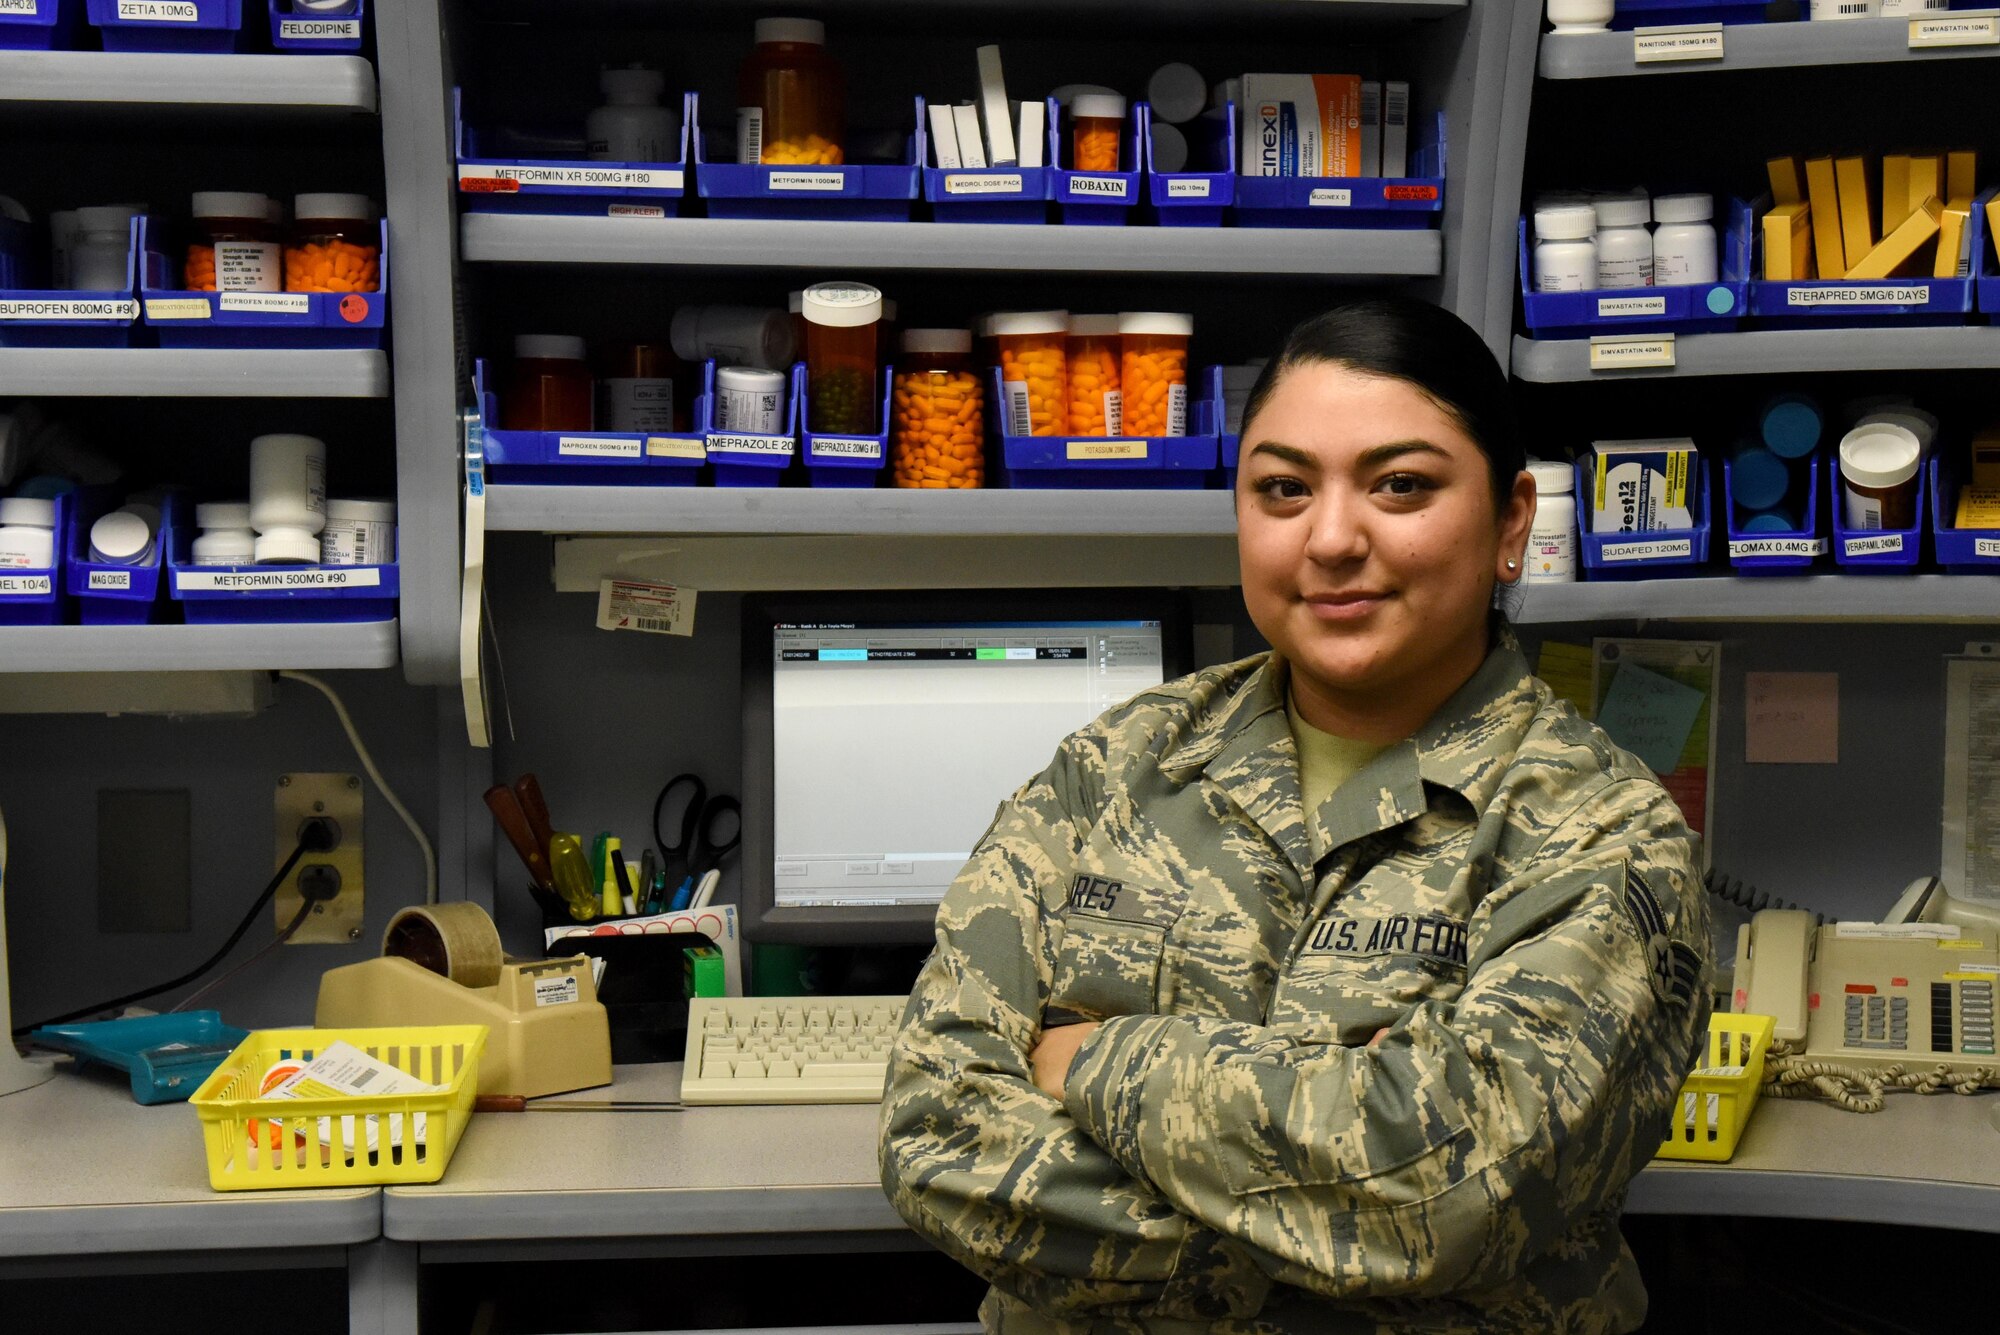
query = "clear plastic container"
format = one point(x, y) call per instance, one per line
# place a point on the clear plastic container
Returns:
point(335, 247)
point(1095, 408)
point(236, 246)
point(790, 99)
point(1034, 371)
point(1097, 123)
point(1153, 373)
point(548, 387)
point(938, 432)
point(100, 248)
point(840, 357)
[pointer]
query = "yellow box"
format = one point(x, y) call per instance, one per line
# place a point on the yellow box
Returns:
point(1961, 173)
point(1986, 460)
point(1954, 248)
point(1896, 204)
point(1857, 212)
point(1787, 187)
point(1716, 1101)
point(1977, 509)
point(1993, 221)
point(256, 1143)
point(1788, 243)
point(1900, 245)
point(1926, 180)
point(1824, 195)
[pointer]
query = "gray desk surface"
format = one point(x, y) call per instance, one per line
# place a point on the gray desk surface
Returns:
point(85, 1170)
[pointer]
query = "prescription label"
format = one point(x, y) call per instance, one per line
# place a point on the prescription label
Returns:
point(1740, 547)
point(1330, 199)
point(1625, 308)
point(982, 183)
point(1959, 30)
point(1850, 294)
point(1105, 449)
point(557, 991)
point(178, 308)
point(1624, 354)
point(653, 609)
point(1693, 41)
point(123, 311)
point(266, 581)
point(248, 266)
point(1103, 187)
point(1187, 189)
point(266, 303)
point(1647, 551)
point(110, 579)
point(830, 182)
point(1871, 546)
point(158, 11)
point(1989, 547)
point(675, 447)
point(750, 445)
point(26, 586)
point(320, 30)
point(845, 447)
point(599, 447)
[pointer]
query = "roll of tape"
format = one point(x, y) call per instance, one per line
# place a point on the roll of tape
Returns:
point(457, 940)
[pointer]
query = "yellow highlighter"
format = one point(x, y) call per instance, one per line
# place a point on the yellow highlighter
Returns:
point(570, 869)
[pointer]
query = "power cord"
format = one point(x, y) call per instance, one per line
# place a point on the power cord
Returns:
point(315, 837)
point(368, 764)
point(290, 929)
point(1790, 1075)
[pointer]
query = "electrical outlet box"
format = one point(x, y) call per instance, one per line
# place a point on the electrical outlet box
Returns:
point(335, 797)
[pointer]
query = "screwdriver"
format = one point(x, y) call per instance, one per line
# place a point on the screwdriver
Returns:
point(569, 868)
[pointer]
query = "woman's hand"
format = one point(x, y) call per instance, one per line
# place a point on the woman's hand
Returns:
point(1054, 1053)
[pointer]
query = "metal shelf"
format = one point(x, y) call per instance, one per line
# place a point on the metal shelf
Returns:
point(204, 648)
point(1769, 351)
point(1751, 46)
point(842, 512)
point(1916, 598)
point(768, 244)
point(248, 373)
point(176, 79)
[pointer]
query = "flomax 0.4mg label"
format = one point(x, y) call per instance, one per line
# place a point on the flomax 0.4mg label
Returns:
point(1740, 547)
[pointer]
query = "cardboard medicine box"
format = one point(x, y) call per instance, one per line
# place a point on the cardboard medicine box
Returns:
point(1302, 125)
point(1643, 486)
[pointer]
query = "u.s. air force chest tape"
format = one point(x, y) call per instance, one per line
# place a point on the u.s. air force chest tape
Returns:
point(1108, 963)
point(1360, 971)
point(1429, 935)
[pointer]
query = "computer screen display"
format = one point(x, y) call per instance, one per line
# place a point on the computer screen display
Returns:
point(891, 734)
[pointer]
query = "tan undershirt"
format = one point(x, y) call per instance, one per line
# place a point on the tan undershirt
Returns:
point(1326, 761)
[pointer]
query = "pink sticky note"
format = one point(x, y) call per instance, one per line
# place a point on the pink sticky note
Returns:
point(1791, 718)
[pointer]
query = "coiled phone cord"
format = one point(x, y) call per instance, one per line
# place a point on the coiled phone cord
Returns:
point(1788, 1075)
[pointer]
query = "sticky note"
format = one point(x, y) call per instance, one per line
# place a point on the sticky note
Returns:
point(1791, 718)
point(1649, 715)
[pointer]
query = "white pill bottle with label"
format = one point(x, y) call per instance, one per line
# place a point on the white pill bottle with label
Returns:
point(1551, 557)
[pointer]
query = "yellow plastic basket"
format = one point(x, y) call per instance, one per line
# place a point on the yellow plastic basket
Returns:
point(256, 1144)
point(1716, 1100)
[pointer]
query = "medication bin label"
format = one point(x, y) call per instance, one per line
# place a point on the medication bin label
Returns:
point(557, 991)
point(1987, 547)
point(1647, 551)
point(846, 447)
point(123, 311)
point(300, 577)
point(1739, 547)
point(320, 30)
point(1330, 199)
point(1619, 354)
point(1963, 30)
point(26, 586)
point(1883, 542)
point(178, 308)
point(1695, 41)
point(1187, 189)
point(158, 11)
point(985, 183)
point(1624, 308)
point(17, 6)
point(268, 303)
point(110, 579)
point(599, 447)
point(1104, 187)
point(654, 609)
point(506, 180)
point(675, 447)
point(1849, 294)
point(1106, 449)
point(749, 444)
point(830, 182)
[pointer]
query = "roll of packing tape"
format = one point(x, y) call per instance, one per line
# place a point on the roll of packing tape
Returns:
point(457, 940)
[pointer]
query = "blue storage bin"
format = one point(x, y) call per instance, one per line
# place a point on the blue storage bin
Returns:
point(1961, 551)
point(18, 252)
point(1893, 551)
point(117, 595)
point(33, 317)
point(31, 597)
point(1373, 202)
point(43, 25)
point(842, 461)
point(985, 194)
point(1986, 277)
point(274, 593)
point(1871, 302)
point(1171, 463)
point(488, 184)
point(168, 25)
point(1629, 14)
point(1198, 196)
point(1757, 552)
point(593, 458)
point(181, 318)
point(1102, 199)
point(1688, 309)
point(318, 33)
point(1617, 556)
point(744, 460)
point(166, 1056)
point(856, 192)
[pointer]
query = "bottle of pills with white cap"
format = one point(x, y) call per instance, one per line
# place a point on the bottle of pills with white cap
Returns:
point(226, 538)
point(27, 533)
point(1566, 248)
point(287, 497)
point(358, 533)
point(1624, 248)
point(749, 401)
point(1684, 245)
point(121, 538)
point(1878, 476)
point(236, 244)
point(1551, 555)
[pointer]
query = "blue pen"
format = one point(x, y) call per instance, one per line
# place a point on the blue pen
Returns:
point(682, 896)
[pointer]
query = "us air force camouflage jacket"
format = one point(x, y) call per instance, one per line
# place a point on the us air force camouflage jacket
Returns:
point(1509, 894)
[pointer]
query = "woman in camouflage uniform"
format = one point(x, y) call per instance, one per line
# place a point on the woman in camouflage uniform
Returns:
point(1342, 989)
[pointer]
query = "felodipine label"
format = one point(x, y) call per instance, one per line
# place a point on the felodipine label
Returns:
point(319, 30)
point(653, 609)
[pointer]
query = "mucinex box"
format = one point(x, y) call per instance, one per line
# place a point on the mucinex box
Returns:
point(1643, 486)
point(1301, 125)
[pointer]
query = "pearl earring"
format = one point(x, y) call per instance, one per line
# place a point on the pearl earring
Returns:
point(1513, 565)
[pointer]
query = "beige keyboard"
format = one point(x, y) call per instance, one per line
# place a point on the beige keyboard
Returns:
point(788, 1049)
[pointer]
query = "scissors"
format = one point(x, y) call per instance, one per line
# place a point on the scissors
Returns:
point(699, 849)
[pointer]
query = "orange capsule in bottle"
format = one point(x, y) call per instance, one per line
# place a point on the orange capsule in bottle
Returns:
point(1097, 123)
point(1153, 371)
point(1034, 371)
point(1094, 371)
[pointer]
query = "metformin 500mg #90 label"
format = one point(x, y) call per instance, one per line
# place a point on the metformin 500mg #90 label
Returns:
point(302, 577)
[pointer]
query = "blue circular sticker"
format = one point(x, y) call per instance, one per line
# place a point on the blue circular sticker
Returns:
point(1721, 300)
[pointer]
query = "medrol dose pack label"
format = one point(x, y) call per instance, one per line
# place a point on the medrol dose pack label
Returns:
point(1301, 125)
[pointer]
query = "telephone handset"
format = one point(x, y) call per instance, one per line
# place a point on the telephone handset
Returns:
point(1914, 990)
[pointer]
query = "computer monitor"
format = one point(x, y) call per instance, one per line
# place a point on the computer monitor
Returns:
point(882, 730)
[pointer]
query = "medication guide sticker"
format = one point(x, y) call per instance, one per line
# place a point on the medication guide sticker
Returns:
point(178, 308)
point(1330, 199)
point(1622, 354)
point(985, 183)
point(599, 447)
point(1776, 547)
point(121, 310)
point(304, 577)
point(654, 609)
point(1105, 449)
point(1885, 542)
point(1104, 187)
point(1982, 29)
point(1693, 41)
point(158, 11)
point(674, 447)
point(268, 303)
point(1986, 547)
point(110, 579)
point(557, 991)
point(1647, 551)
point(26, 586)
point(505, 180)
point(1187, 189)
point(319, 30)
point(832, 182)
point(1873, 294)
point(846, 447)
point(1614, 308)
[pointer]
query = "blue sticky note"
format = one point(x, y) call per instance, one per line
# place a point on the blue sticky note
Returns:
point(1649, 715)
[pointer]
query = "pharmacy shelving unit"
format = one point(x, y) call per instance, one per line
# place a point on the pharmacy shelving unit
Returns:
point(185, 81)
point(1907, 598)
point(1774, 352)
point(251, 373)
point(1754, 46)
point(198, 648)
